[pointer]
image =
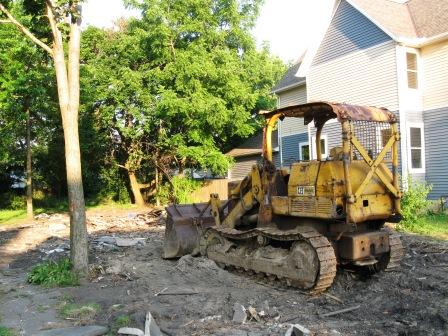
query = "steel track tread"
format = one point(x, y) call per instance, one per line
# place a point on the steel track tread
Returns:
point(322, 246)
point(396, 251)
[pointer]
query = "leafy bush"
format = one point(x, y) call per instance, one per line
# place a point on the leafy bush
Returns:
point(17, 202)
point(180, 190)
point(12, 201)
point(54, 274)
point(414, 202)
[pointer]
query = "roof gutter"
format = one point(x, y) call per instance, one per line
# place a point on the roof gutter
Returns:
point(291, 86)
point(423, 41)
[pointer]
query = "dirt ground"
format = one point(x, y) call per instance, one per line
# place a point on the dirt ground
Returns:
point(192, 296)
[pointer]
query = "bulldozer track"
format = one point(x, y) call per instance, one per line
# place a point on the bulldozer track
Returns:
point(322, 247)
point(396, 252)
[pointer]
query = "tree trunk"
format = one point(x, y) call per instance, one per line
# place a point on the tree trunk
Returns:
point(135, 187)
point(29, 187)
point(157, 185)
point(68, 92)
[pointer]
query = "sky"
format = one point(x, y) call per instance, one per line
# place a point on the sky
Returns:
point(289, 26)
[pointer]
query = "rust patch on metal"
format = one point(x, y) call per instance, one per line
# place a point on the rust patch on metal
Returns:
point(321, 112)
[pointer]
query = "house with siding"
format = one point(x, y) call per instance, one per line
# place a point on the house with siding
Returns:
point(249, 153)
point(384, 53)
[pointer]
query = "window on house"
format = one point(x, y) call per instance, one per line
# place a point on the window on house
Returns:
point(323, 147)
point(304, 151)
point(411, 65)
point(416, 148)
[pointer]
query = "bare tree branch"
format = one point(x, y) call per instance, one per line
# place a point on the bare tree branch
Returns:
point(5, 21)
point(25, 31)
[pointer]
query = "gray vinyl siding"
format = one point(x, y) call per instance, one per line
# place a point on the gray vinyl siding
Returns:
point(243, 165)
point(348, 32)
point(290, 148)
point(436, 150)
point(292, 97)
point(355, 63)
point(333, 131)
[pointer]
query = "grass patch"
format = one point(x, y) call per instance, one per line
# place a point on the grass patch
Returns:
point(6, 331)
point(54, 274)
point(82, 313)
point(120, 322)
point(51, 206)
point(12, 216)
point(433, 225)
point(79, 312)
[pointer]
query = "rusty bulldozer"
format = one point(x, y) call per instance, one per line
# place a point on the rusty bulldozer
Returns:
point(297, 225)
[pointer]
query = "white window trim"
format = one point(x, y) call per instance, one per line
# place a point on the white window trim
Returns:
point(313, 147)
point(409, 50)
point(408, 140)
point(304, 143)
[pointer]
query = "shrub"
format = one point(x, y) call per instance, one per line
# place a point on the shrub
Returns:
point(414, 202)
point(54, 274)
point(17, 202)
point(180, 190)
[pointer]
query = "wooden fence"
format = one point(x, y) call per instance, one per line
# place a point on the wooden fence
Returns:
point(215, 186)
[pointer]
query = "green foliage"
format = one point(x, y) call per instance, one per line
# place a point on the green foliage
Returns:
point(54, 274)
point(179, 190)
point(433, 225)
point(7, 331)
point(12, 201)
point(414, 202)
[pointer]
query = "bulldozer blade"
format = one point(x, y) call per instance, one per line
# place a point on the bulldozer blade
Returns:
point(184, 227)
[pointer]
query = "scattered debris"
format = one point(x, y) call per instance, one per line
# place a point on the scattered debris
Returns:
point(333, 297)
point(130, 331)
point(239, 313)
point(253, 313)
point(209, 318)
point(151, 327)
point(76, 331)
point(297, 330)
point(336, 312)
point(158, 293)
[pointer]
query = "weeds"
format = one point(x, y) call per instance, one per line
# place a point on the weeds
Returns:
point(86, 312)
point(54, 274)
point(120, 322)
point(6, 331)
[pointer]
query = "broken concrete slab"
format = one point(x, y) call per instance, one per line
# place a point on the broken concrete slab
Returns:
point(297, 330)
point(130, 331)
point(76, 331)
point(239, 313)
point(151, 327)
point(106, 239)
point(127, 242)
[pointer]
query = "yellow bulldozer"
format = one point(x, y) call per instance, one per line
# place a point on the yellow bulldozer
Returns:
point(297, 225)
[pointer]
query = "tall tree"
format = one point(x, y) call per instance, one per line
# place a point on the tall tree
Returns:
point(62, 15)
point(177, 86)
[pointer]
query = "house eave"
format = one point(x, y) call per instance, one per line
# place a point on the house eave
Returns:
point(289, 87)
point(423, 41)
